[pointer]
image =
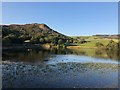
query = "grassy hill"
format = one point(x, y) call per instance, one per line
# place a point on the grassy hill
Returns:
point(90, 41)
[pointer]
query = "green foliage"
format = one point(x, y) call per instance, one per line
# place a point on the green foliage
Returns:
point(47, 40)
point(60, 41)
point(34, 40)
point(18, 34)
point(82, 41)
point(112, 45)
point(98, 44)
point(55, 41)
point(42, 40)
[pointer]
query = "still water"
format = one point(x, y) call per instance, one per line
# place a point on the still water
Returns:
point(87, 68)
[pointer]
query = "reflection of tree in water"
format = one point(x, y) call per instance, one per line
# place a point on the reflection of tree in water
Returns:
point(98, 53)
point(113, 55)
point(79, 53)
point(66, 51)
point(41, 55)
point(59, 51)
point(107, 54)
point(28, 56)
point(101, 54)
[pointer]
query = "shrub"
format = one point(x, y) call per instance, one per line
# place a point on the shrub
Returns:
point(98, 44)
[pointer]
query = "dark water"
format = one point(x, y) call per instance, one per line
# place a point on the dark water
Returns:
point(87, 68)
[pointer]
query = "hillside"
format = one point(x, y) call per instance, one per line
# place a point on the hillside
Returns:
point(96, 41)
point(32, 33)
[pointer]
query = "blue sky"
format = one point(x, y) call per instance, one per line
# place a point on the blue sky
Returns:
point(75, 19)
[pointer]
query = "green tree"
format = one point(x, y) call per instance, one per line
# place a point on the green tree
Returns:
point(55, 41)
point(112, 45)
point(42, 40)
point(60, 41)
point(47, 40)
point(34, 40)
point(98, 44)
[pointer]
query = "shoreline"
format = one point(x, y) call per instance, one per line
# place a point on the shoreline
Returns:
point(81, 47)
point(45, 46)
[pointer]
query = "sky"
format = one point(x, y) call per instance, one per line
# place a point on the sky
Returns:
point(69, 18)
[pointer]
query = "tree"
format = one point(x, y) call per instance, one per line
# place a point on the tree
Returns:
point(55, 41)
point(47, 40)
point(112, 45)
point(83, 41)
point(98, 44)
point(42, 40)
point(60, 41)
point(34, 40)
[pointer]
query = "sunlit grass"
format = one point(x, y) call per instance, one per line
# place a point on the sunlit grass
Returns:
point(92, 40)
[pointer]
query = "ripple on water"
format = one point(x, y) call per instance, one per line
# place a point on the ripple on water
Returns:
point(68, 74)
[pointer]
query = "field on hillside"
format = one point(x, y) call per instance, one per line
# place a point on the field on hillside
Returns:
point(92, 40)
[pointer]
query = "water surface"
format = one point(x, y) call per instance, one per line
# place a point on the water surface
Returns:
point(60, 69)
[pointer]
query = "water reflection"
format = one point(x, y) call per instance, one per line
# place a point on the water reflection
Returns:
point(26, 56)
point(44, 55)
point(65, 68)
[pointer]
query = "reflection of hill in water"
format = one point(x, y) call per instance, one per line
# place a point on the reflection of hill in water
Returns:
point(40, 56)
point(105, 54)
point(26, 56)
